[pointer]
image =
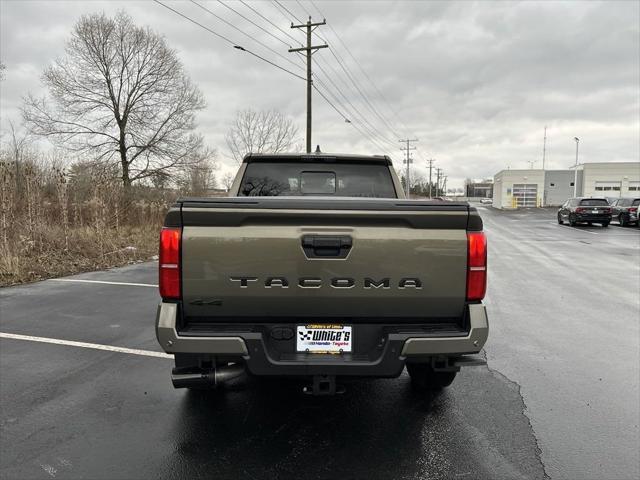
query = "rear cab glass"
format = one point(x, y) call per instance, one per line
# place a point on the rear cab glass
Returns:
point(636, 202)
point(594, 202)
point(295, 178)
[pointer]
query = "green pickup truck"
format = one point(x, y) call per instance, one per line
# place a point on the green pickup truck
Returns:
point(317, 267)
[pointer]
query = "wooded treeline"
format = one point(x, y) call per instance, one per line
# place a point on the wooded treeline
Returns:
point(87, 176)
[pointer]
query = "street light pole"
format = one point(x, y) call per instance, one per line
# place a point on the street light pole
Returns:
point(575, 171)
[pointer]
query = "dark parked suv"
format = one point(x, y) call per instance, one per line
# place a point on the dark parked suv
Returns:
point(625, 210)
point(585, 210)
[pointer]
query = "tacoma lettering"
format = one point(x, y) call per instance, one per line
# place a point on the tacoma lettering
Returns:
point(334, 282)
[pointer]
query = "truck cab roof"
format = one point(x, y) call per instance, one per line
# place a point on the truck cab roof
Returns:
point(319, 156)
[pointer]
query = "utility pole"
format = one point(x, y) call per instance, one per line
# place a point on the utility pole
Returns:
point(575, 172)
point(407, 183)
point(431, 160)
point(444, 185)
point(544, 147)
point(438, 170)
point(310, 49)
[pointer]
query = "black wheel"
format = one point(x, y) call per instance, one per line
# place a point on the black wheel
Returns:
point(622, 218)
point(424, 378)
point(560, 219)
point(605, 224)
point(589, 223)
point(572, 220)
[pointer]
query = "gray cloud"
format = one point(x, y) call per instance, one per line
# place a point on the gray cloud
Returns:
point(476, 82)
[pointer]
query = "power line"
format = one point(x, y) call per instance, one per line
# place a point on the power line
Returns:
point(363, 72)
point(357, 87)
point(354, 108)
point(281, 12)
point(230, 42)
point(253, 23)
point(288, 11)
point(305, 10)
point(269, 21)
point(241, 48)
point(391, 109)
point(368, 132)
point(345, 118)
point(246, 34)
point(347, 73)
point(269, 62)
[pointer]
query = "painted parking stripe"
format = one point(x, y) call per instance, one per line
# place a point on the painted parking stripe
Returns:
point(576, 229)
point(94, 346)
point(76, 280)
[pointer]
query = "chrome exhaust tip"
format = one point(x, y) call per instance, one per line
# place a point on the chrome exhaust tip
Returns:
point(206, 379)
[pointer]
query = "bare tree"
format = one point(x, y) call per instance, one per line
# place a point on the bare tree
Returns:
point(19, 147)
point(260, 132)
point(227, 180)
point(199, 176)
point(122, 96)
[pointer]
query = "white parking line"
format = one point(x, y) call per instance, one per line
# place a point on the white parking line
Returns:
point(585, 231)
point(617, 232)
point(94, 346)
point(104, 282)
point(574, 228)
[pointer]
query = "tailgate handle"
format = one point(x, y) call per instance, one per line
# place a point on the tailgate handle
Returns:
point(324, 246)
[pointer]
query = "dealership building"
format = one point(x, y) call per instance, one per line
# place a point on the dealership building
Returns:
point(543, 188)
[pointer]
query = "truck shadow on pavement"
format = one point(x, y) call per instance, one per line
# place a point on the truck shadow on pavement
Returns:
point(377, 429)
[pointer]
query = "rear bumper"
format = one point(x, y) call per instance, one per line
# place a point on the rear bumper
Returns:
point(587, 217)
point(396, 349)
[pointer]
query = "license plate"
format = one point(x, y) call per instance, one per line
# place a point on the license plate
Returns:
point(324, 338)
point(595, 211)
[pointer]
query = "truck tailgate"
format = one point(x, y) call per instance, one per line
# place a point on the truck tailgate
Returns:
point(286, 258)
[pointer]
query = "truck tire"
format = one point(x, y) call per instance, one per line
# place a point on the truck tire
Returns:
point(424, 378)
point(560, 222)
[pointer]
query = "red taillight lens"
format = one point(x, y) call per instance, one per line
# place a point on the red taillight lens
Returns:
point(170, 263)
point(579, 210)
point(633, 210)
point(476, 265)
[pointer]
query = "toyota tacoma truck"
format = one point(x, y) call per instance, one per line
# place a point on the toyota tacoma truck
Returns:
point(317, 267)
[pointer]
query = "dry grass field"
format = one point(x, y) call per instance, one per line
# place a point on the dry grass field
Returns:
point(56, 222)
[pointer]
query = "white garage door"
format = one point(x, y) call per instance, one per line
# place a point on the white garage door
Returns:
point(525, 194)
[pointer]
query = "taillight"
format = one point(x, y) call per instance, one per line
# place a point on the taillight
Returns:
point(170, 263)
point(579, 210)
point(633, 209)
point(476, 265)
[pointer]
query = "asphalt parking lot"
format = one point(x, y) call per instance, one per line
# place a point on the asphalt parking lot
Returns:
point(559, 397)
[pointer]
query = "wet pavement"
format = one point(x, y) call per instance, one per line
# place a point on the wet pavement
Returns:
point(559, 396)
point(564, 307)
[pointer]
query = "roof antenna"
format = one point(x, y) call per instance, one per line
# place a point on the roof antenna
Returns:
point(318, 149)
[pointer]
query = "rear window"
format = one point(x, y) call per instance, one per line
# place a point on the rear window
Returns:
point(636, 202)
point(594, 202)
point(361, 179)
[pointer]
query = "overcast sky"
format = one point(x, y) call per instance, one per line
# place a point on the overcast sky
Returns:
point(476, 83)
